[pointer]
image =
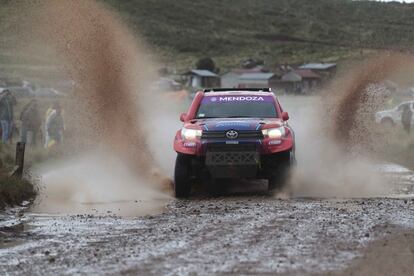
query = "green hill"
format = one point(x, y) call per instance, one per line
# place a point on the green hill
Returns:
point(278, 31)
point(274, 30)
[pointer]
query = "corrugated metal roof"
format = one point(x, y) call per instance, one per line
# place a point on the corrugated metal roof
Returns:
point(257, 69)
point(256, 76)
point(317, 66)
point(203, 73)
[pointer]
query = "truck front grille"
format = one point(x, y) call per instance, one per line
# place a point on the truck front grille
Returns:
point(232, 158)
point(231, 148)
point(243, 134)
point(241, 154)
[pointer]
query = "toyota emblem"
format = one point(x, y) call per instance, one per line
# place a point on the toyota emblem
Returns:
point(232, 134)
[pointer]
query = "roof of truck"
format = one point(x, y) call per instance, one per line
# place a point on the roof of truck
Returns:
point(238, 93)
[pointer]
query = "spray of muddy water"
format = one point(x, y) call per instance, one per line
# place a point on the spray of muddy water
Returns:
point(108, 117)
point(336, 135)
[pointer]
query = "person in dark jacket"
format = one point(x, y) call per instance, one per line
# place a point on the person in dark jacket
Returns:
point(406, 118)
point(6, 114)
point(30, 122)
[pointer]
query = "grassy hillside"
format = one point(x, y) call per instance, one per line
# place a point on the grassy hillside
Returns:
point(278, 31)
point(274, 30)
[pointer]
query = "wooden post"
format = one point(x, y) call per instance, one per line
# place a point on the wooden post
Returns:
point(19, 162)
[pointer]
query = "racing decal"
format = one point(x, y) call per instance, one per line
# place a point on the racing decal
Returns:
point(236, 99)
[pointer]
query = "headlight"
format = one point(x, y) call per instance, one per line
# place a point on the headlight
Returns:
point(274, 133)
point(190, 134)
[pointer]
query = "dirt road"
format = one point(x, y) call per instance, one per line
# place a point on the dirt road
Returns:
point(230, 235)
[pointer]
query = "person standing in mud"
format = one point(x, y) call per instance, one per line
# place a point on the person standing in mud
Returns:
point(406, 118)
point(54, 126)
point(30, 122)
point(6, 115)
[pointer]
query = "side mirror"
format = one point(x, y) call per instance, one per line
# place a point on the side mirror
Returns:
point(183, 117)
point(285, 116)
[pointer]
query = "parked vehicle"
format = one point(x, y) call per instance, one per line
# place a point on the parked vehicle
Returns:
point(233, 133)
point(392, 117)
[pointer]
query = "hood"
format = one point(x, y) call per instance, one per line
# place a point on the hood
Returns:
point(236, 124)
point(384, 112)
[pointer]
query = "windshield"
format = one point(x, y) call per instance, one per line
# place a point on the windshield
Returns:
point(237, 107)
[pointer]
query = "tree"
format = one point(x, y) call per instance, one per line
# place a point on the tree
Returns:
point(206, 63)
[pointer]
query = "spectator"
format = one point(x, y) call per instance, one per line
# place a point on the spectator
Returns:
point(31, 122)
point(406, 118)
point(54, 126)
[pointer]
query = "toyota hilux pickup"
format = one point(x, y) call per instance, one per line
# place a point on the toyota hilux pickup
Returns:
point(233, 133)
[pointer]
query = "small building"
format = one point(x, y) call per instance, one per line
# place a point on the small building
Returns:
point(298, 81)
point(290, 82)
point(256, 80)
point(310, 80)
point(231, 78)
point(202, 79)
point(325, 70)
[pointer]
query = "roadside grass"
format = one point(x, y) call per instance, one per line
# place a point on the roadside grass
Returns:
point(14, 191)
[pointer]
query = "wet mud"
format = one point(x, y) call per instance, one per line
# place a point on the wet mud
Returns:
point(245, 234)
point(392, 255)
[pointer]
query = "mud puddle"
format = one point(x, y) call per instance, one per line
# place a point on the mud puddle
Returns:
point(127, 208)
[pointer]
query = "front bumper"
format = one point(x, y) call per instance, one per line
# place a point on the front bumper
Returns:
point(239, 161)
point(262, 146)
point(249, 156)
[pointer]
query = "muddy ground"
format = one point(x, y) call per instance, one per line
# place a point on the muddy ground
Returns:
point(236, 234)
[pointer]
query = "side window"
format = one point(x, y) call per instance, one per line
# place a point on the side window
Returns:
point(401, 107)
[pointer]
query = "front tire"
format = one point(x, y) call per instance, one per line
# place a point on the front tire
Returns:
point(277, 181)
point(280, 178)
point(387, 123)
point(182, 176)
